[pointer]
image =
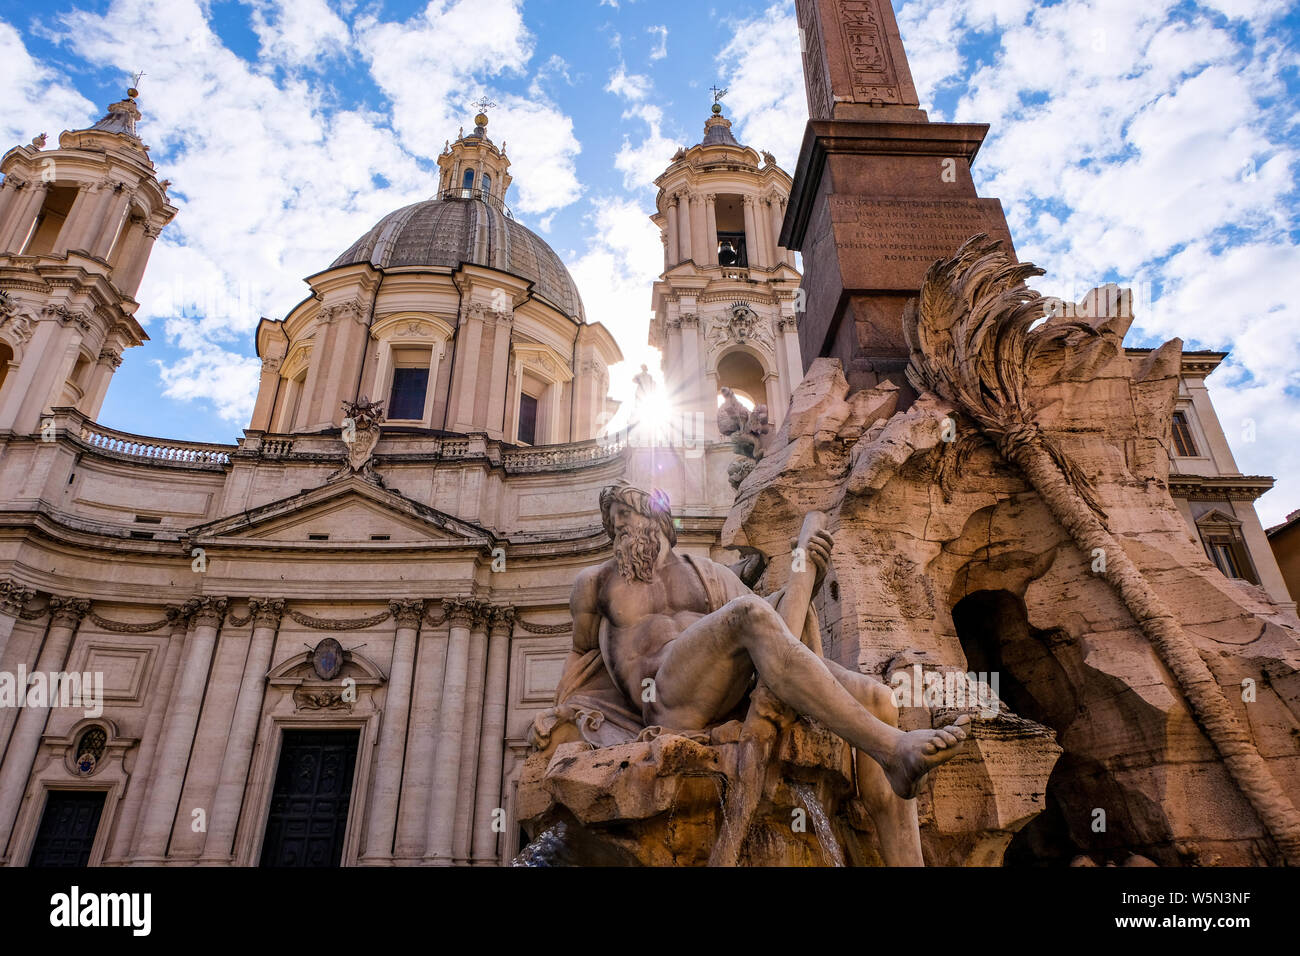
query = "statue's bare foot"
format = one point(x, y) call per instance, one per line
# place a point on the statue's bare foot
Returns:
point(920, 751)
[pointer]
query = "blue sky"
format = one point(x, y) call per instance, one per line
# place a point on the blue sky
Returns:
point(1154, 144)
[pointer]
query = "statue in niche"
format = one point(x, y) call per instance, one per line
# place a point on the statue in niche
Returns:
point(670, 643)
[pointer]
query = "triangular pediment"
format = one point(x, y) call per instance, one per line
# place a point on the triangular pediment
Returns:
point(348, 512)
point(1216, 518)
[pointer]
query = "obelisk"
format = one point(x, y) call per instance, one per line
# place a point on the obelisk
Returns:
point(880, 192)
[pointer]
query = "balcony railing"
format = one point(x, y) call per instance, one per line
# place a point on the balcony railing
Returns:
point(154, 449)
point(556, 457)
point(485, 196)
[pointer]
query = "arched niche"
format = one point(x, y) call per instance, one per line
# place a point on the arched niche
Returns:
point(745, 371)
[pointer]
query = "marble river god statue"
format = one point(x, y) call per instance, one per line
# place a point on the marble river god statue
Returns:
point(676, 646)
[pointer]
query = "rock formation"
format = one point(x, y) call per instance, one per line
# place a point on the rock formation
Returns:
point(1016, 520)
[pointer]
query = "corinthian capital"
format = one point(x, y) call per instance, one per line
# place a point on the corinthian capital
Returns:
point(13, 597)
point(502, 620)
point(460, 613)
point(266, 612)
point(407, 613)
point(205, 611)
point(68, 612)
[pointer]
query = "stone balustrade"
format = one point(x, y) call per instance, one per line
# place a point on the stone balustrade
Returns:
point(138, 446)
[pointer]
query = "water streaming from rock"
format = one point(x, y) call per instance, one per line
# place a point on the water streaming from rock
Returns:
point(821, 823)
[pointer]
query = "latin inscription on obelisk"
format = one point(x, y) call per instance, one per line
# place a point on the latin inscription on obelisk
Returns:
point(893, 241)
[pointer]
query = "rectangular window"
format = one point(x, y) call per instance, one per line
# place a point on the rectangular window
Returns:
point(527, 419)
point(1222, 553)
point(407, 399)
point(1184, 444)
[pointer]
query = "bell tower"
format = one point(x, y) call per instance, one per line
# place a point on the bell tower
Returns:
point(77, 224)
point(725, 307)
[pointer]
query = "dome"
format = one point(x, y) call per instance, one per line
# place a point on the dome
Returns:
point(453, 230)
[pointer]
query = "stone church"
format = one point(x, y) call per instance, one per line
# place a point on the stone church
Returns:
point(324, 644)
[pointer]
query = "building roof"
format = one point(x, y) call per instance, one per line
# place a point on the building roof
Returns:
point(451, 231)
point(1291, 520)
point(120, 118)
point(717, 132)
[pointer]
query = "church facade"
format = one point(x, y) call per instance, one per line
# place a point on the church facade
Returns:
point(298, 661)
point(324, 644)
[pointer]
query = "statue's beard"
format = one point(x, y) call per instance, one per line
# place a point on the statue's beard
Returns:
point(635, 551)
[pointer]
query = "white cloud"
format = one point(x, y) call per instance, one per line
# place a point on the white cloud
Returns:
point(660, 51)
point(433, 64)
point(1243, 299)
point(1144, 154)
point(631, 86)
point(222, 377)
point(271, 180)
point(642, 163)
point(764, 70)
point(37, 100)
point(305, 33)
point(623, 259)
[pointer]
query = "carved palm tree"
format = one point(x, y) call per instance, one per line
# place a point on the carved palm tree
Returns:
point(973, 338)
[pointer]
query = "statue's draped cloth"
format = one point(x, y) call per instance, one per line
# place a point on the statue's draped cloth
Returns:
point(590, 702)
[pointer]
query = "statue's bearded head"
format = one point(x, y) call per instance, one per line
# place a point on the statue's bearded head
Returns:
point(638, 522)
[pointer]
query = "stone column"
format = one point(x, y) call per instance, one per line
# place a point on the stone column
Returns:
point(131, 267)
point(65, 615)
point(699, 231)
point(446, 763)
point(496, 414)
point(82, 207)
point(88, 229)
point(13, 598)
point(160, 695)
point(421, 746)
point(763, 216)
point(684, 227)
point(711, 227)
point(695, 395)
point(464, 375)
point(753, 242)
point(391, 751)
point(774, 228)
point(110, 360)
point(117, 210)
point(28, 206)
point(220, 840)
point(671, 233)
point(470, 735)
point(12, 200)
point(205, 615)
point(492, 739)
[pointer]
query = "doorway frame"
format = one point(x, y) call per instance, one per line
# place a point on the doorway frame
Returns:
point(261, 782)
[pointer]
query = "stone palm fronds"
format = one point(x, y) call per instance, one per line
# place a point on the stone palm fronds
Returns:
point(973, 339)
point(973, 342)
